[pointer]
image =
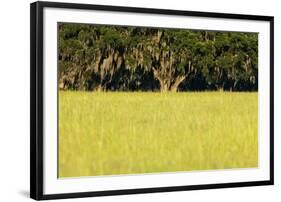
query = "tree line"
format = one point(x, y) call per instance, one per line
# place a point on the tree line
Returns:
point(122, 58)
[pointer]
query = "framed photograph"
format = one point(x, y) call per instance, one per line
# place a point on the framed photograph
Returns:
point(131, 100)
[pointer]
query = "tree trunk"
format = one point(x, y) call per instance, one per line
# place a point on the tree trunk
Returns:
point(177, 82)
point(164, 87)
point(99, 88)
point(167, 82)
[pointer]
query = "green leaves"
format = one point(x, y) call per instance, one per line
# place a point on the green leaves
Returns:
point(96, 56)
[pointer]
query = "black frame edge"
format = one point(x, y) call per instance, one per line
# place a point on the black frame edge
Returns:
point(155, 190)
point(272, 101)
point(152, 10)
point(36, 100)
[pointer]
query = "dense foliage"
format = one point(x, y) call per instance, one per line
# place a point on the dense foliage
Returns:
point(111, 58)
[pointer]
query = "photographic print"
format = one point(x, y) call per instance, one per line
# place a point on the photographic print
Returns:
point(136, 100)
point(128, 100)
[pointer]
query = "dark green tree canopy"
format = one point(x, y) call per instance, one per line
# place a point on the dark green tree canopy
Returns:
point(111, 58)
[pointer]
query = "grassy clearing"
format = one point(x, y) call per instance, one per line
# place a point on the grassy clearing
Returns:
point(125, 133)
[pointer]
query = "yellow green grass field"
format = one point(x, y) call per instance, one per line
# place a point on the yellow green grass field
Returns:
point(130, 133)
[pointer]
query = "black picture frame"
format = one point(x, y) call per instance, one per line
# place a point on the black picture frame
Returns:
point(36, 98)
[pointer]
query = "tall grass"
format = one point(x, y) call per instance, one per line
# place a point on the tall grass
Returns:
point(125, 133)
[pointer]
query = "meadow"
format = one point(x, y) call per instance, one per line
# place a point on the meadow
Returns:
point(112, 133)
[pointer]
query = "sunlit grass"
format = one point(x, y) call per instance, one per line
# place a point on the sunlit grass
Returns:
point(128, 133)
